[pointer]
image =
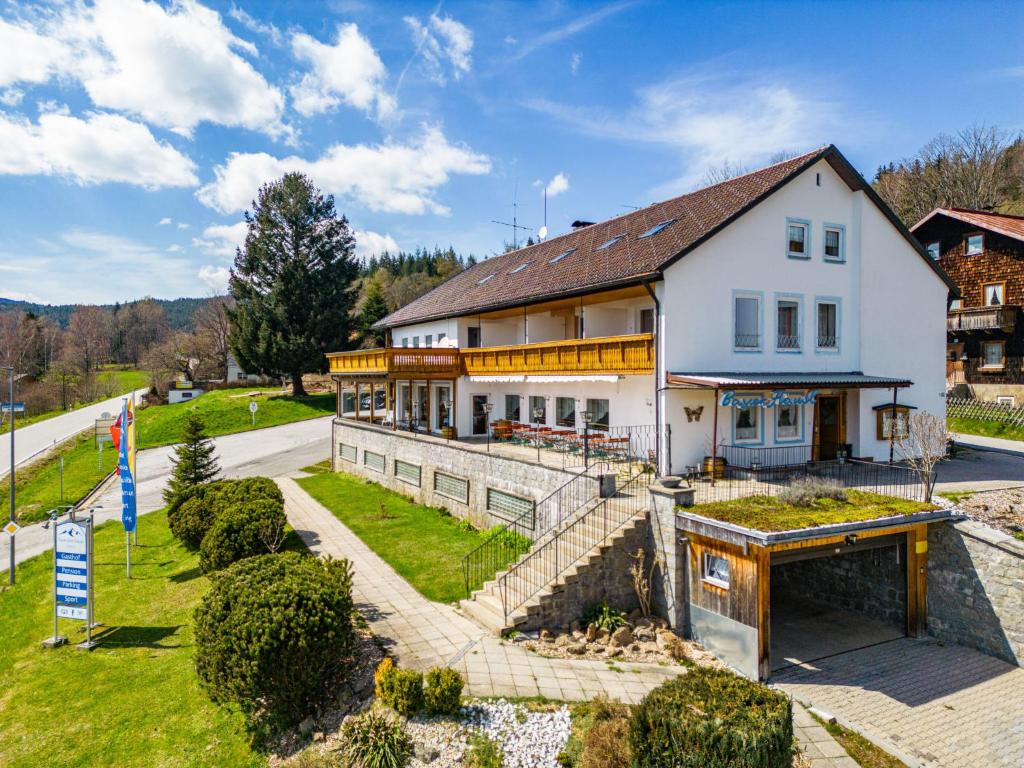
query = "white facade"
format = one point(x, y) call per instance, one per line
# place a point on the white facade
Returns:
point(857, 298)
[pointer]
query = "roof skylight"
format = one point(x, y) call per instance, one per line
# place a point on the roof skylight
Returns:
point(481, 282)
point(561, 256)
point(610, 243)
point(520, 268)
point(656, 229)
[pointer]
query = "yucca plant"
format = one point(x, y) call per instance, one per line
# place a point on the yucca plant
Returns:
point(376, 739)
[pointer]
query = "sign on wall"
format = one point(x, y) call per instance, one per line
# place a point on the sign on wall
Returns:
point(730, 398)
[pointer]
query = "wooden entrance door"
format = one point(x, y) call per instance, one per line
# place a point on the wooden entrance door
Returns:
point(829, 426)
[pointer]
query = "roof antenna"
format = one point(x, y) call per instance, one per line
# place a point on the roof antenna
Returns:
point(543, 233)
point(515, 219)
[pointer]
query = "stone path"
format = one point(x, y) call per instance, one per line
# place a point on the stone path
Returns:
point(821, 749)
point(941, 706)
point(423, 634)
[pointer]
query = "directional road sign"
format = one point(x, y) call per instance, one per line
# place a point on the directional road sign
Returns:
point(8, 407)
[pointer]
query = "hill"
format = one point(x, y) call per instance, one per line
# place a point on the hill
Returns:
point(179, 311)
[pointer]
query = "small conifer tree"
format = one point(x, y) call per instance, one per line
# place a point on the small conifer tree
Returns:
point(195, 460)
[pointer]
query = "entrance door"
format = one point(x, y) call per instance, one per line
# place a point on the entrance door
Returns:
point(829, 417)
point(442, 407)
point(479, 415)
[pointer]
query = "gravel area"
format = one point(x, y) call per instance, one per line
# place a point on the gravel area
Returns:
point(1003, 509)
point(528, 739)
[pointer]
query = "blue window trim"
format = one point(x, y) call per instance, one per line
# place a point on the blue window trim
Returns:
point(759, 441)
point(841, 259)
point(759, 295)
point(801, 421)
point(838, 301)
point(799, 299)
point(807, 238)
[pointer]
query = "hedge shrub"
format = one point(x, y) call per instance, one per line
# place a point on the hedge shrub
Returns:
point(192, 513)
point(443, 694)
point(401, 689)
point(191, 520)
point(273, 633)
point(239, 531)
point(712, 718)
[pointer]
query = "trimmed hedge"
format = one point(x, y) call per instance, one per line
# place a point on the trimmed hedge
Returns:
point(273, 634)
point(192, 513)
point(443, 694)
point(402, 690)
point(712, 718)
point(239, 531)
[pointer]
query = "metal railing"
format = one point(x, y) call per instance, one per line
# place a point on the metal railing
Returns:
point(731, 483)
point(747, 340)
point(564, 546)
point(777, 456)
point(827, 341)
point(515, 538)
point(633, 446)
point(787, 341)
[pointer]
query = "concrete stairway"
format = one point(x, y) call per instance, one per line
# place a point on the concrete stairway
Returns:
point(576, 552)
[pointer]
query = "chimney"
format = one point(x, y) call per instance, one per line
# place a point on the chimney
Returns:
point(579, 224)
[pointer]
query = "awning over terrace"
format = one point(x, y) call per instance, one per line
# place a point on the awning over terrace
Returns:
point(852, 380)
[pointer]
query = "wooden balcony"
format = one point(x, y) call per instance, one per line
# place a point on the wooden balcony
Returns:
point(1001, 318)
point(398, 363)
point(609, 355)
point(605, 355)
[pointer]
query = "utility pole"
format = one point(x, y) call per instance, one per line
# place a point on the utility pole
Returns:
point(11, 510)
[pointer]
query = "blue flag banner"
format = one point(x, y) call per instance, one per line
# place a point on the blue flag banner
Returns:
point(128, 515)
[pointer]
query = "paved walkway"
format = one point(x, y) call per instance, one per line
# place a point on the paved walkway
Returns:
point(817, 744)
point(942, 706)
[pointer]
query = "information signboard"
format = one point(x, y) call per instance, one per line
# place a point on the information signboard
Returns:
point(71, 570)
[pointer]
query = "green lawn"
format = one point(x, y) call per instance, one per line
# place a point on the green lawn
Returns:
point(985, 428)
point(135, 700)
point(38, 484)
point(423, 544)
point(226, 411)
point(768, 513)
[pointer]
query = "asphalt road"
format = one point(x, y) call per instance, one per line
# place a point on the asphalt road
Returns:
point(38, 437)
point(268, 452)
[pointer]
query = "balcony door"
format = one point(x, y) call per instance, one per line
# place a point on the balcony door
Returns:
point(479, 415)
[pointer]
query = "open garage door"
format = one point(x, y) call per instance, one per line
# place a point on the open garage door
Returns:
point(838, 598)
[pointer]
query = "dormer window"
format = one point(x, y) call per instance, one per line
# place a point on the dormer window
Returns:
point(974, 245)
point(798, 238)
point(934, 250)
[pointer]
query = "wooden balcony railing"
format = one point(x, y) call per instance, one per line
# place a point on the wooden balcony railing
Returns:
point(605, 355)
point(982, 319)
point(613, 355)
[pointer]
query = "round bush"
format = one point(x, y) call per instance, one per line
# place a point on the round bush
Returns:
point(273, 633)
point(239, 531)
point(712, 718)
point(443, 694)
point(402, 690)
point(191, 520)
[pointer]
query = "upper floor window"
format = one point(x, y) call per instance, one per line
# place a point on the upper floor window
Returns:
point(974, 244)
point(787, 312)
point(646, 321)
point(992, 294)
point(473, 339)
point(415, 341)
point(835, 245)
point(828, 325)
point(655, 229)
point(405, 342)
point(934, 250)
point(747, 322)
point(993, 354)
point(798, 238)
point(956, 304)
point(428, 340)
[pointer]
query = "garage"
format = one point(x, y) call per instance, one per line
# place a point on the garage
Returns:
point(764, 601)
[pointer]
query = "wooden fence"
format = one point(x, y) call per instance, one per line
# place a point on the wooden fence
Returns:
point(963, 408)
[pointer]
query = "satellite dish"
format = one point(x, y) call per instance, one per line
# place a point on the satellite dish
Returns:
point(542, 232)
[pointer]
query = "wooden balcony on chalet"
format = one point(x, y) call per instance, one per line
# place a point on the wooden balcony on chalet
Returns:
point(999, 318)
point(608, 355)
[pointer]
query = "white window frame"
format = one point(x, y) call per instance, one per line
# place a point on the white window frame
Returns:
point(708, 574)
point(1001, 293)
point(967, 244)
point(758, 438)
point(936, 254)
point(520, 399)
point(793, 298)
point(758, 296)
point(841, 229)
point(806, 224)
point(799, 423)
point(1009, 400)
point(985, 364)
point(837, 301)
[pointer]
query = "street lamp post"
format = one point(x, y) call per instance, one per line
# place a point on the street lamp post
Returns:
point(587, 417)
point(538, 414)
point(10, 405)
point(488, 407)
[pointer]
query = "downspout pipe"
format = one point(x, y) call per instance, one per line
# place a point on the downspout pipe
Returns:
point(657, 374)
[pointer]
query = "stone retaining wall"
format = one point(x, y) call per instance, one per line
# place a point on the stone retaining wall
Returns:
point(976, 589)
point(432, 454)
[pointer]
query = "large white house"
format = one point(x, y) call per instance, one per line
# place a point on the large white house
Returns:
point(791, 297)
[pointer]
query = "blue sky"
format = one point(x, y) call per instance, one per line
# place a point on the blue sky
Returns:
point(133, 133)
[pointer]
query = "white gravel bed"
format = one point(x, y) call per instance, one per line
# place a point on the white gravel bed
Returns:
point(528, 739)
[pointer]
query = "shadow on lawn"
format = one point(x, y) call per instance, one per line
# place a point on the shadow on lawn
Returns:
point(187, 575)
point(140, 637)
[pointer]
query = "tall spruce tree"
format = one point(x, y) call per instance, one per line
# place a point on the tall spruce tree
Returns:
point(195, 460)
point(375, 306)
point(292, 282)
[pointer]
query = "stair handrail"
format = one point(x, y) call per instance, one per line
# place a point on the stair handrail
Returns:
point(515, 589)
point(515, 537)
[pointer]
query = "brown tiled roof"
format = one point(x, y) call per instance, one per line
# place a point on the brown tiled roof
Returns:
point(1003, 223)
point(495, 283)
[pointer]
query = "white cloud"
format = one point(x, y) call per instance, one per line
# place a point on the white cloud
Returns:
point(441, 40)
point(574, 63)
point(391, 177)
point(348, 71)
point(175, 67)
point(164, 221)
point(11, 97)
point(100, 148)
point(222, 239)
point(7, 293)
point(373, 244)
point(174, 248)
point(577, 25)
point(710, 116)
point(255, 25)
point(558, 185)
point(215, 278)
point(182, 225)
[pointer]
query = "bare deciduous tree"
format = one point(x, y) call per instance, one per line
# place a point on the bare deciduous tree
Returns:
point(923, 444)
point(88, 337)
point(211, 322)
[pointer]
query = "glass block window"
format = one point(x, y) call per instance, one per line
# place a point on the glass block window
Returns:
point(407, 472)
point(453, 487)
point(374, 460)
point(347, 452)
